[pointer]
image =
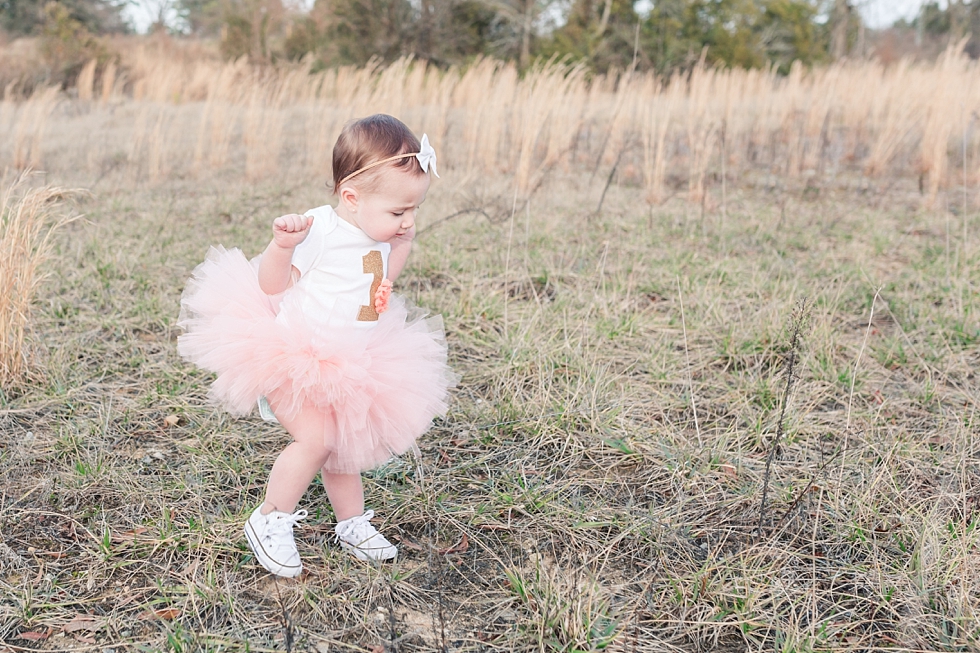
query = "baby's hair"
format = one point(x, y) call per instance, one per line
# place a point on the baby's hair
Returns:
point(365, 141)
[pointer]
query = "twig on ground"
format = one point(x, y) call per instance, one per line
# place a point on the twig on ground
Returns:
point(798, 324)
point(612, 175)
point(466, 211)
point(435, 569)
point(687, 353)
point(802, 493)
point(287, 621)
point(392, 620)
point(857, 362)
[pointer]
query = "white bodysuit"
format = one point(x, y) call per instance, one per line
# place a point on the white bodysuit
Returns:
point(340, 269)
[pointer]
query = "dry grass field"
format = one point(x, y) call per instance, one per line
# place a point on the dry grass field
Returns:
point(628, 464)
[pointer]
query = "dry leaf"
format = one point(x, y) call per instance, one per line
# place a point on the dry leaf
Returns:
point(167, 614)
point(126, 599)
point(171, 420)
point(461, 546)
point(33, 635)
point(728, 470)
point(129, 536)
point(377, 648)
point(654, 297)
point(84, 622)
point(404, 541)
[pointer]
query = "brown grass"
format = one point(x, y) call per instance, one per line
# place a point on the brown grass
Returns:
point(85, 84)
point(860, 117)
point(597, 484)
point(28, 131)
point(108, 82)
point(28, 218)
point(598, 481)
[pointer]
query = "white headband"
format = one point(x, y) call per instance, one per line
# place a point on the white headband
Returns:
point(426, 156)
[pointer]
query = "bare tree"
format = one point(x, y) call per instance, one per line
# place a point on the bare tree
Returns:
point(521, 19)
point(840, 19)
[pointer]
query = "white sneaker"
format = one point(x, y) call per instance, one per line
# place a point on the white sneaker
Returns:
point(271, 539)
point(358, 536)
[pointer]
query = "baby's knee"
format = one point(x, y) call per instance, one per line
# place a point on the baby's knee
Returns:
point(313, 450)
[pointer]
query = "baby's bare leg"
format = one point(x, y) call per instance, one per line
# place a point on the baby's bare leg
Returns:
point(298, 464)
point(346, 494)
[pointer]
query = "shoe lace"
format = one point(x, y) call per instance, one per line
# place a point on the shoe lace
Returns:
point(357, 528)
point(285, 523)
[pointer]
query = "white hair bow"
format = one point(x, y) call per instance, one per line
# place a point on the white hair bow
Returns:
point(427, 156)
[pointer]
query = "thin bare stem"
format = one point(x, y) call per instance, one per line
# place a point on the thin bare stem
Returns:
point(857, 361)
point(799, 322)
point(687, 353)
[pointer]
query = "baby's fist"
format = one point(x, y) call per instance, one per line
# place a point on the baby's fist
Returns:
point(288, 231)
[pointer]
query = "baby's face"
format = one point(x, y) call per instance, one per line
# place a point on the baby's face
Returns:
point(390, 212)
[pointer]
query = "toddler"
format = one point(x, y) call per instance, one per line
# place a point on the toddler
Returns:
point(310, 331)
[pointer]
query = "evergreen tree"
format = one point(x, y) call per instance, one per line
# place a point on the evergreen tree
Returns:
point(605, 34)
point(602, 32)
point(201, 17)
point(943, 26)
point(252, 28)
point(789, 32)
point(26, 17)
point(515, 26)
point(745, 33)
point(444, 32)
point(355, 31)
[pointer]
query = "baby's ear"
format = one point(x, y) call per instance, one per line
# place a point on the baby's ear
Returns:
point(349, 197)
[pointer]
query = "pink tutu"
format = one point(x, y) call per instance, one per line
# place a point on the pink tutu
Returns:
point(379, 387)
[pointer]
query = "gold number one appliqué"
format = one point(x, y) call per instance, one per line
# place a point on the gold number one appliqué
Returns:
point(373, 264)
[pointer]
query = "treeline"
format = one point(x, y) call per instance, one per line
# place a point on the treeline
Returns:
point(661, 35)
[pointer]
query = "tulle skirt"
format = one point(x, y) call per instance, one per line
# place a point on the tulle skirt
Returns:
point(378, 388)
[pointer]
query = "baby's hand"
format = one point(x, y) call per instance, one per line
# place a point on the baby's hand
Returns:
point(381, 296)
point(290, 230)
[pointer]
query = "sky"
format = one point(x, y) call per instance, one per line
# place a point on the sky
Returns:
point(882, 13)
point(876, 13)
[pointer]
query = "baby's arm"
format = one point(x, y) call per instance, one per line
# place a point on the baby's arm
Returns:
point(400, 248)
point(275, 268)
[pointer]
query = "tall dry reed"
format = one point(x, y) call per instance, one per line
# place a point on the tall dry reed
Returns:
point(85, 85)
point(945, 101)
point(703, 123)
point(28, 217)
point(108, 81)
point(264, 122)
point(895, 120)
point(159, 145)
point(487, 119)
point(29, 130)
